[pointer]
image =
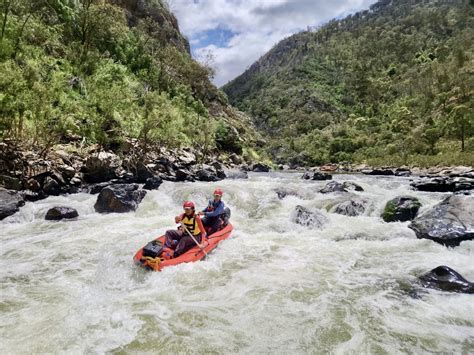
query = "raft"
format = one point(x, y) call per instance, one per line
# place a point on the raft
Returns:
point(192, 255)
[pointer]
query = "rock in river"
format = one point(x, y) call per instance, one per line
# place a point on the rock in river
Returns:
point(317, 175)
point(333, 186)
point(446, 279)
point(58, 213)
point(10, 202)
point(401, 209)
point(450, 222)
point(351, 208)
point(308, 218)
point(119, 198)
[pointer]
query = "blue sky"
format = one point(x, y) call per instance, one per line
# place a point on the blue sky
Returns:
point(232, 34)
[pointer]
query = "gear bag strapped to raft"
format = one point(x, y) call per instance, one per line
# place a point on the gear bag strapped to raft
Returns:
point(153, 249)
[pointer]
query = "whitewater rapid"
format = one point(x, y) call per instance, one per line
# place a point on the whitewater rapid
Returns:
point(274, 286)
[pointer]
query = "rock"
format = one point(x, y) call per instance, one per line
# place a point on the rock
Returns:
point(207, 173)
point(446, 279)
point(450, 222)
point(402, 172)
point(306, 175)
point(183, 175)
point(317, 175)
point(119, 198)
point(101, 167)
point(234, 158)
point(58, 213)
point(377, 172)
point(282, 193)
point(235, 174)
point(10, 182)
point(51, 186)
point(260, 168)
point(351, 186)
point(186, 158)
point(401, 209)
point(67, 172)
point(33, 185)
point(96, 188)
point(463, 184)
point(153, 183)
point(10, 202)
point(351, 208)
point(308, 218)
point(143, 172)
point(333, 186)
point(444, 184)
point(33, 196)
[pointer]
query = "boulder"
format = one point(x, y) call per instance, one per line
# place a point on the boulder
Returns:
point(10, 182)
point(437, 184)
point(378, 172)
point(351, 208)
point(352, 186)
point(236, 159)
point(153, 183)
point(67, 172)
point(446, 279)
point(143, 172)
point(58, 213)
point(260, 168)
point(317, 175)
point(401, 209)
point(282, 193)
point(450, 222)
point(96, 188)
point(10, 202)
point(119, 198)
point(235, 174)
point(51, 186)
point(183, 175)
point(33, 185)
point(402, 172)
point(207, 173)
point(333, 186)
point(308, 218)
point(101, 167)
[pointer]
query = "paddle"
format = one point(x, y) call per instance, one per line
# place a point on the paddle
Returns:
point(194, 239)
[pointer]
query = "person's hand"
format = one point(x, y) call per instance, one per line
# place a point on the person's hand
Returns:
point(177, 219)
point(201, 213)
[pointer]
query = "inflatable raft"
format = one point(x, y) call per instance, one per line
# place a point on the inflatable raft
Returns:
point(157, 263)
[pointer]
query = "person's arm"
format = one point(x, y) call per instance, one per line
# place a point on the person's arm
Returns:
point(201, 227)
point(217, 212)
point(179, 218)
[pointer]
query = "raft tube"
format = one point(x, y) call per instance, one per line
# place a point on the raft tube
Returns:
point(192, 255)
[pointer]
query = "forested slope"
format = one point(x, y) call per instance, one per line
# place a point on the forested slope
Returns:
point(393, 84)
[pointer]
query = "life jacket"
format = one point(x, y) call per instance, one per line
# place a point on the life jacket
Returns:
point(191, 224)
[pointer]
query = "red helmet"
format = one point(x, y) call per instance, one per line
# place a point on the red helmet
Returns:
point(188, 204)
point(218, 192)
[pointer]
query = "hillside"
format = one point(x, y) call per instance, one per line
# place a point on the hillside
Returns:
point(104, 72)
point(391, 85)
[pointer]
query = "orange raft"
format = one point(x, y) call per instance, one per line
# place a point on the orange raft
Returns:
point(192, 255)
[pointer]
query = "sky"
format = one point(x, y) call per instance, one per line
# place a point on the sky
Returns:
point(238, 32)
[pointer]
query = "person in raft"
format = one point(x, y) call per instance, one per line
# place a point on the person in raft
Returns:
point(212, 213)
point(179, 240)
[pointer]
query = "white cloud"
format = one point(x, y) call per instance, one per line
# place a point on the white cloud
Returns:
point(257, 25)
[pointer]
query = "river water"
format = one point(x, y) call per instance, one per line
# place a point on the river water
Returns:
point(274, 286)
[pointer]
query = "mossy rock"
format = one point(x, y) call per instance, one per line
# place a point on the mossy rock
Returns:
point(401, 209)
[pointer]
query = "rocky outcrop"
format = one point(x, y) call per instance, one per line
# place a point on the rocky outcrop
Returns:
point(444, 184)
point(449, 223)
point(308, 218)
point(317, 175)
point(446, 279)
point(101, 167)
point(401, 209)
point(260, 168)
point(153, 183)
point(119, 198)
point(10, 202)
point(351, 208)
point(381, 171)
point(58, 213)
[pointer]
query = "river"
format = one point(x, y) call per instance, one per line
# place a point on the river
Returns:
point(274, 286)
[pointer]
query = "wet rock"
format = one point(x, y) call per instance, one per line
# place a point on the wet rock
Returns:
point(235, 159)
point(352, 186)
point(260, 168)
point(119, 198)
point(449, 223)
point(33, 185)
point(333, 186)
point(446, 279)
point(236, 174)
point(96, 188)
point(401, 209)
point(313, 219)
point(58, 213)
point(282, 193)
point(67, 172)
point(402, 172)
point(317, 175)
point(207, 173)
point(143, 172)
point(444, 184)
point(51, 186)
point(32, 196)
point(378, 172)
point(153, 183)
point(183, 175)
point(101, 167)
point(186, 158)
point(351, 208)
point(10, 182)
point(10, 202)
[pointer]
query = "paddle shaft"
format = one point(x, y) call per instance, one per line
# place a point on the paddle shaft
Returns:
point(194, 239)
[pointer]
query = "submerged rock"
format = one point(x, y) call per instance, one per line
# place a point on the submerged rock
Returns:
point(282, 193)
point(308, 218)
point(119, 198)
point(58, 213)
point(10, 202)
point(351, 186)
point(449, 223)
point(333, 186)
point(152, 183)
point(351, 208)
point(317, 175)
point(446, 279)
point(401, 209)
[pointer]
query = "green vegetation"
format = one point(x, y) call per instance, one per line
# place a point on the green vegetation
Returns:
point(102, 71)
point(390, 85)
